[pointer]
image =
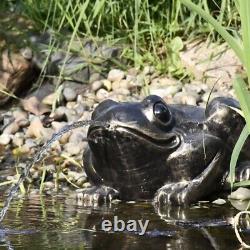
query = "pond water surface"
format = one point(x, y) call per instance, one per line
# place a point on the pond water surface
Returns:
point(58, 222)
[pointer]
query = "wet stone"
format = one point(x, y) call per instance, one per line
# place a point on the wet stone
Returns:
point(240, 194)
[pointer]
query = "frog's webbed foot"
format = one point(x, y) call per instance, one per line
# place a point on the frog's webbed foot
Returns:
point(187, 192)
point(175, 193)
point(242, 173)
point(97, 195)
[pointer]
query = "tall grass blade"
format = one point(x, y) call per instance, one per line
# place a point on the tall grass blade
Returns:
point(244, 98)
point(235, 154)
point(245, 24)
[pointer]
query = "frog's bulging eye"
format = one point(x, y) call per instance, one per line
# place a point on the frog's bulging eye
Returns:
point(162, 113)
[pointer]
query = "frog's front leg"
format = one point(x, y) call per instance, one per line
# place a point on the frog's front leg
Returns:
point(187, 192)
point(97, 195)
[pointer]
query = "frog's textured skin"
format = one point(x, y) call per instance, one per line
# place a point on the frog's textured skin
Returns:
point(171, 154)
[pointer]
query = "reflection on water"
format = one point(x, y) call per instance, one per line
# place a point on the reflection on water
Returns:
point(60, 223)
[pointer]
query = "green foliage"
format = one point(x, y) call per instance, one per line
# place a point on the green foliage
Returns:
point(147, 27)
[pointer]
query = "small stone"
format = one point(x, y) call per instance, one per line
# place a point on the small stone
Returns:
point(219, 202)
point(11, 128)
point(107, 84)
point(185, 98)
point(17, 141)
point(49, 99)
point(240, 194)
point(122, 91)
point(71, 105)
point(5, 139)
point(80, 181)
point(167, 91)
point(80, 108)
point(120, 84)
point(20, 115)
point(34, 106)
point(73, 148)
point(116, 75)
point(77, 136)
point(165, 81)
point(59, 113)
point(49, 185)
point(94, 77)
point(102, 94)
point(148, 70)
point(30, 143)
point(37, 130)
point(27, 53)
point(207, 97)
point(86, 185)
point(69, 94)
point(96, 85)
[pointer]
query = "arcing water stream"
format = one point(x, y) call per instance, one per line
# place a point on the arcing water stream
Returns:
point(39, 156)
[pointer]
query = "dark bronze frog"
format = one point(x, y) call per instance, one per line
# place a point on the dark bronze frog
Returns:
point(172, 154)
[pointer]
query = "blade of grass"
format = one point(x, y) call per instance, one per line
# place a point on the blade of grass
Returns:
point(235, 154)
point(243, 97)
point(245, 24)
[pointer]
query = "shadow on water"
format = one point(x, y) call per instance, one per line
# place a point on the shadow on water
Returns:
point(60, 222)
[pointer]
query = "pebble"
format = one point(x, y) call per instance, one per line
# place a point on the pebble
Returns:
point(148, 70)
point(240, 194)
point(49, 99)
point(49, 185)
point(115, 75)
point(107, 84)
point(185, 98)
point(35, 129)
point(122, 91)
point(69, 94)
point(207, 97)
point(102, 94)
point(73, 148)
point(96, 85)
point(116, 85)
point(11, 128)
point(18, 140)
point(20, 115)
point(77, 136)
point(95, 77)
point(219, 201)
point(59, 113)
point(167, 91)
point(5, 139)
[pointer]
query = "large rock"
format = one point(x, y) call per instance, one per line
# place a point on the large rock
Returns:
point(16, 75)
point(17, 70)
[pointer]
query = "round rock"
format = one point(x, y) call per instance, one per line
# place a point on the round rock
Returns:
point(69, 94)
point(116, 75)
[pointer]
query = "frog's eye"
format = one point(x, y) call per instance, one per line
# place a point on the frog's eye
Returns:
point(162, 113)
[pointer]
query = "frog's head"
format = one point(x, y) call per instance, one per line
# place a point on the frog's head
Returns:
point(150, 143)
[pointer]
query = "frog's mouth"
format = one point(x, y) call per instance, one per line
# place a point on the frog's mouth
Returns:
point(164, 141)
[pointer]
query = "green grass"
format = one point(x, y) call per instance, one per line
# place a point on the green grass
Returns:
point(145, 27)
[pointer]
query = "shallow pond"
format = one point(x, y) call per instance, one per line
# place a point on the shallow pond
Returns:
point(58, 222)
